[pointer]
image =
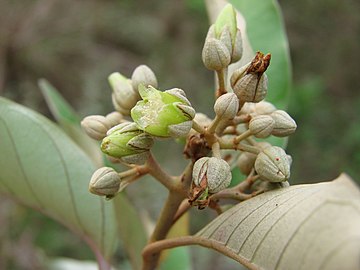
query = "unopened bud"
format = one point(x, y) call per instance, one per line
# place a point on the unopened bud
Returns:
point(95, 126)
point(264, 107)
point(127, 142)
point(247, 108)
point(105, 182)
point(123, 97)
point(227, 106)
point(215, 171)
point(250, 82)
point(114, 118)
point(260, 185)
point(284, 124)
point(145, 76)
point(246, 162)
point(261, 126)
point(215, 54)
point(272, 165)
point(225, 29)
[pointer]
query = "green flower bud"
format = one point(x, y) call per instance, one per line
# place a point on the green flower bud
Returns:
point(227, 106)
point(215, 54)
point(163, 114)
point(250, 83)
point(226, 20)
point(124, 97)
point(143, 75)
point(214, 171)
point(261, 126)
point(284, 124)
point(225, 29)
point(272, 164)
point(95, 126)
point(105, 182)
point(127, 142)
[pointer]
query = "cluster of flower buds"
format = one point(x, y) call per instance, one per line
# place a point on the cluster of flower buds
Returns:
point(144, 113)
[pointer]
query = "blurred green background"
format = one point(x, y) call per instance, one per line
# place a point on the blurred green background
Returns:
point(77, 44)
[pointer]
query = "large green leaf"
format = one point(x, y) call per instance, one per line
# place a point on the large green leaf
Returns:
point(312, 226)
point(69, 121)
point(130, 229)
point(44, 169)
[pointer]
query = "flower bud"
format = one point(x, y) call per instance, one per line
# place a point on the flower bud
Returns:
point(227, 106)
point(261, 126)
point(273, 165)
point(250, 83)
point(247, 108)
point(127, 142)
point(246, 162)
point(214, 171)
point(260, 185)
point(105, 182)
point(215, 54)
point(264, 107)
point(163, 114)
point(114, 118)
point(143, 75)
point(124, 97)
point(284, 124)
point(95, 126)
point(225, 29)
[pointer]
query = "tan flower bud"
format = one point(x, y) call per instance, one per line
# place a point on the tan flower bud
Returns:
point(143, 75)
point(215, 54)
point(250, 82)
point(105, 182)
point(215, 171)
point(284, 124)
point(238, 48)
point(246, 162)
point(227, 106)
point(247, 108)
point(114, 118)
point(124, 97)
point(95, 126)
point(264, 107)
point(261, 126)
point(272, 165)
point(250, 87)
point(267, 186)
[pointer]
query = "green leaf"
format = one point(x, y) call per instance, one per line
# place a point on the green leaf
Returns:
point(314, 226)
point(177, 259)
point(130, 229)
point(69, 121)
point(42, 168)
point(266, 32)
